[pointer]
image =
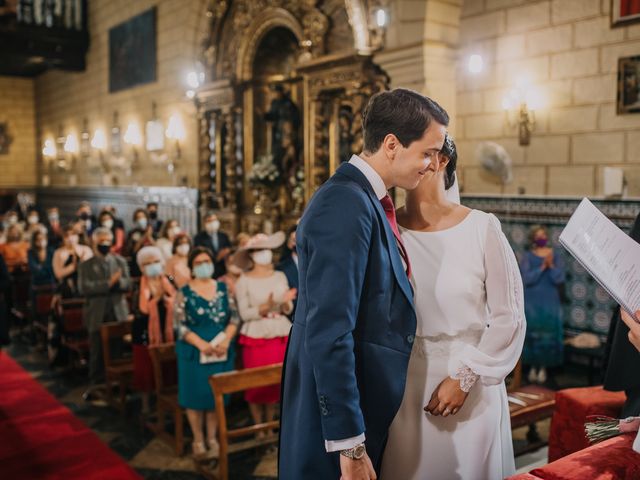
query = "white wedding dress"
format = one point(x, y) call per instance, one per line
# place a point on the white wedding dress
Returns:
point(470, 311)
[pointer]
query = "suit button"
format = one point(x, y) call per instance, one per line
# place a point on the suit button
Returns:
point(325, 412)
point(410, 338)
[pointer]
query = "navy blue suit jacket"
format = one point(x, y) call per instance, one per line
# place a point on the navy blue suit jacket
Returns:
point(349, 347)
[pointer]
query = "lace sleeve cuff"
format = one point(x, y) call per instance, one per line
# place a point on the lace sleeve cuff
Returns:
point(467, 378)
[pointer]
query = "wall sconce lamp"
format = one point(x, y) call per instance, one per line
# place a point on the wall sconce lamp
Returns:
point(49, 149)
point(194, 79)
point(175, 131)
point(520, 105)
point(133, 137)
point(99, 143)
point(379, 20)
point(71, 147)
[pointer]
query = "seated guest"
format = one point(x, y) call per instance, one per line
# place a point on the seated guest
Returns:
point(117, 220)
point(54, 227)
point(242, 238)
point(106, 220)
point(154, 221)
point(103, 280)
point(153, 318)
point(543, 272)
point(623, 363)
point(88, 219)
point(15, 250)
point(33, 225)
point(66, 260)
point(289, 262)
point(140, 236)
point(233, 273)
point(5, 282)
point(11, 218)
point(203, 311)
point(177, 266)
point(264, 301)
point(168, 233)
point(40, 258)
point(215, 240)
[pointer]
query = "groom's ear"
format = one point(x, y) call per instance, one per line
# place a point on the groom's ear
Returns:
point(390, 145)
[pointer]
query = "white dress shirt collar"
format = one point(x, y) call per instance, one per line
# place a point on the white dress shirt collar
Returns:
point(373, 177)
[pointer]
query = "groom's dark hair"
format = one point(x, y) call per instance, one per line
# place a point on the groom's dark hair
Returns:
point(403, 112)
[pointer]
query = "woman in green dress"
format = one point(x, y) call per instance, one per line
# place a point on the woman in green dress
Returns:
point(203, 312)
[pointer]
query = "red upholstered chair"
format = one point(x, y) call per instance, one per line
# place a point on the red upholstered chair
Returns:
point(573, 406)
point(612, 459)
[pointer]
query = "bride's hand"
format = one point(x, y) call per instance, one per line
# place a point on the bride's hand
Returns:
point(447, 398)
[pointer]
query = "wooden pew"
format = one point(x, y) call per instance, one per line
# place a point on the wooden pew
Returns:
point(164, 355)
point(73, 335)
point(238, 381)
point(117, 370)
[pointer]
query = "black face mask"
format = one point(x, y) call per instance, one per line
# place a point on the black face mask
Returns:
point(153, 215)
point(84, 216)
point(104, 249)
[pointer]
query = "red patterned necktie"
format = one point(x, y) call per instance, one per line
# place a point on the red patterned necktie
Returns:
point(390, 211)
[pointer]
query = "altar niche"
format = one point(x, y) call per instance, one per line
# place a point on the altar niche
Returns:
point(282, 106)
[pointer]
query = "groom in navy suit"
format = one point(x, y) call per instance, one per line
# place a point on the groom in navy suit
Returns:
point(349, 347)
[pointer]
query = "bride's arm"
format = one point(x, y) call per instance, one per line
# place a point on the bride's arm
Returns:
point(501, 344)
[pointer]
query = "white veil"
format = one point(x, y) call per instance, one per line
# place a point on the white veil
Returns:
point(453, 194)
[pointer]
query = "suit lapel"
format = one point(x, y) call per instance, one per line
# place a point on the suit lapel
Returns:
point(396, 261)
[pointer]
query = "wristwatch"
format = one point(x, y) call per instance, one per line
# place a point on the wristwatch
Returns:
point(355, 453)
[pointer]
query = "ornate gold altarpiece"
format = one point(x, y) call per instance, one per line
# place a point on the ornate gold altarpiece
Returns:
point(286, 83)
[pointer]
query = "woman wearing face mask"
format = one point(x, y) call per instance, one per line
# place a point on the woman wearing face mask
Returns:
point(168, 232)
point(66, 260)
point(33, 225)
point(15, 250)
point(106, 220)
point(264, 301)
point(233, 273)
point(542, 273)
point(177, 267)
point(204, 311)
point(153, 318)
point(140, 236)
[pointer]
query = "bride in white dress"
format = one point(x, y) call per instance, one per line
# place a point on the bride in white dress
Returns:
point(471, 328)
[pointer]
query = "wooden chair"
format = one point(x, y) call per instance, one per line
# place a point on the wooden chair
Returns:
point(117, 370)
point(167, 396)
point(237, 381)
point(44, 296)
point(73, 335)
point(527, 405)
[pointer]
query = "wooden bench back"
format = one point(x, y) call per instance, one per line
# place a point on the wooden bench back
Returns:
point(161, 355)
point(115, 330)
point(72, 316)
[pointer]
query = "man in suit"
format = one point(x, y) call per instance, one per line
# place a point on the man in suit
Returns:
point(103, 280)
point(355, 322)
point(216, 241)
point(154, 221)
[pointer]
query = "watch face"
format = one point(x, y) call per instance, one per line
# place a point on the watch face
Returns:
point(359, 452)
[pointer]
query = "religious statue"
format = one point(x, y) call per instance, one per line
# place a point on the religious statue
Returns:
point(284, 117)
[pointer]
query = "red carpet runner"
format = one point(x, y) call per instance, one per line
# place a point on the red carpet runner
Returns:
point(41, 439)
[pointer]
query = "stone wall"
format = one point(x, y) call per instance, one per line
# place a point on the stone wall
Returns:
point(17, 110)
point(568, 51)
point(65, 99)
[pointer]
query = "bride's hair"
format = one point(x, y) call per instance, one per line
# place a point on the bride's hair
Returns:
point(449, 150)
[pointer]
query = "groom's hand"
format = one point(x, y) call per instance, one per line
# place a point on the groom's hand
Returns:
point(447, 398)
point(352, 469)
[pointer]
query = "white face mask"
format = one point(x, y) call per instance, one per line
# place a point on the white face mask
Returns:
point(262, 257)
point(173, 231)
point(32, 219)
point(213, 226)
point(107, 223)
point(42, 243)
point(183, 249)
point(73, 240)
